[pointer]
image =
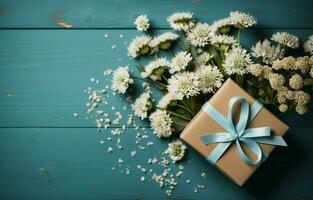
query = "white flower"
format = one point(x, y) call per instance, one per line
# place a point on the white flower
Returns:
point(255, 69)
point(241, 20)
point(142, 105)
point(203, 58)
point(199, 36)
point(164, 41)
point(311, 72)
point(180, 62)
point(181, 21)
point(165, 100)
point(236, 61)
point(308, 45)
point(286, 39)
point(296, 82)
point(266, 51)
point(121, 80)
point(176, 150)
point(221, 26)
point(276, 81)
point(223, 39)
point(302, 98)
point(283, 108)
point(303, 63)
point(155, 68)
point(161, 123)
point(301, 109)
point(139, 46)
point(210, 78)
point(142, 23)
point(184, 84)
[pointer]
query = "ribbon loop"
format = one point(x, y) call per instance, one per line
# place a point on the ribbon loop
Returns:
point(239, 132)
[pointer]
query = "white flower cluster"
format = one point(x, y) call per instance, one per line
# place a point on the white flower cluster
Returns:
point(161, 123)
point(176, 150)
point(181, 21)
point(308, 45)
point(139, 46)
point(142, 105)
point(267, 52)
point(237, 61)
point(286, 39)
point(180, 62)
point(199, 36)
point(241, 20)
point(142, 23)
point(121, 80)
point(163, 41)
point(155, 68)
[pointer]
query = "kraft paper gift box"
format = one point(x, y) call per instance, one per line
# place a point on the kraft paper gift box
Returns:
point(230, 162)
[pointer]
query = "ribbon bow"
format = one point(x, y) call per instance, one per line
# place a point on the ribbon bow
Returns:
point(239, 133)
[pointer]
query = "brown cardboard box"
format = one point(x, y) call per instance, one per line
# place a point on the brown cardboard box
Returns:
point(230, 162)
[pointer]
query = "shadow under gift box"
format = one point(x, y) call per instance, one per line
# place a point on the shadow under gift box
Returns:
point(230, 163)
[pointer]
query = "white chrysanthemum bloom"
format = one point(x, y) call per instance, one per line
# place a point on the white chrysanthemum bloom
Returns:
point(290, 95)
point(223, 39)
point(236, 61)
point(241, 20)
point(176, 150)
point(286, 39)
point(308, 45)
point(199, 36)
point(155, 68)
point(139, 46)
point(256, 70)
point(266, 51)
point(165, 101)
point(161, 123)
point(276, 81)
point(203, 58)
point(142, 105)
point(142, 23)
point(222, 26)
point(281, 97)
point(303, 64)
point(296, 82)
point(180, 61)
point(283, 107)
point(210, 78)
point(289, 63)
point(163, 41)
point(302, 98)
point(181, 21)
point(301, 109)
point(121, 80)
point(184, 84)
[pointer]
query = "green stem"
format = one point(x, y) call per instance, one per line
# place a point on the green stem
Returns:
point(178, 115)
point(238, 36)
point(171, 52)
point(185, 104)
point(162, 75)
point(142, 79)
point(162, 84)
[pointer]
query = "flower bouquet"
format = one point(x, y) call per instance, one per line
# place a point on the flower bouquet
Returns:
point(200, 57)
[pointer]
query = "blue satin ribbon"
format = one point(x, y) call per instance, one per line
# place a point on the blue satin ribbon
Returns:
point(239, 132)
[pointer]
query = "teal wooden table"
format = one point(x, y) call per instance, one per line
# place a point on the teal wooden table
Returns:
point(46, 153)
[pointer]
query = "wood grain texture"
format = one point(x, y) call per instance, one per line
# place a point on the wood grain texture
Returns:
point(70, 163)
point(43, 74)
point(120, 14)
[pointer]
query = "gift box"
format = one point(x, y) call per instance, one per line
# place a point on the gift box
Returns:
point(234, 132)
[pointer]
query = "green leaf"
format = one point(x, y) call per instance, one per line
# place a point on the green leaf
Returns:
point(193, 51)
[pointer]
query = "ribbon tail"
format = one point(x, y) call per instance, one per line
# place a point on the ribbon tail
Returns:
point(254, 147)
point(218, 152)
point(272, 140)
point(256, 132)
point(216, 138)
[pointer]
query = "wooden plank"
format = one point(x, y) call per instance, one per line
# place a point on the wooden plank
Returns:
point(43, 74)
point(121, 14)
point(71, 163)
